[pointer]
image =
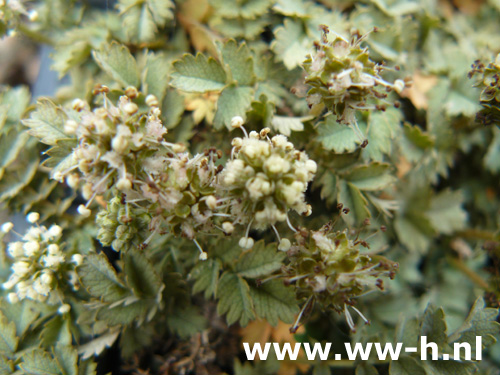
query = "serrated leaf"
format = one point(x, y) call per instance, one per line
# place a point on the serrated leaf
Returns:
point(291, 44)
point(374, 176)
point(198, 74)
point(434, 326)
point(336, 137)
point(124, 314)
point(186, 321)
point(87, 367)
point(142, 18)
point(100, 279)
point(445, 213)
point(22, 314)
point(233, 101)
point(47, 123)
point(285, 125)
point(6, 366)
point(17, 100)
point(11, 144)
point(481, 321)
point(233, 293)
point(414, 231)
point(206, 275)
point(8, 337)
point(274, 301)
point(13, 182)
point(382, 129)
point(406, 365)
point(239, 61)
point(96, 346)
point(351, 197)
point(56, 330)
point(262, 260)
point(141, 274)
point(67, 358)
point(156, 75)
point(38, 362)
point(172, 108)
point(117, 61)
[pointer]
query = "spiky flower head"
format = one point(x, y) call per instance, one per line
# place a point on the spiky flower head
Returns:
point(344, 79)
point(487, 78)
point(265, 179)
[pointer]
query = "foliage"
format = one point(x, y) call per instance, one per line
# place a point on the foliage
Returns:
point(216, 164)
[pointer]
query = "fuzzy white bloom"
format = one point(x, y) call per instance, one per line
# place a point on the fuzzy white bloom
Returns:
point(78, 105)
point(15, 249)
point(31, 248)
point(211, 202)
point(120, 144)
point(237, 121)
point(399, 85)
point(322, 241)
point(124, 184)
point(152, 101)
point(46, 278)
point(64, 309)
point(228, 227)
point(203, 256)
point(54, 232)
point(320, 283)
point(284, 244)
point(276, 164)
point(72, 180)
point(33, 234)
point(70, 127)
point(21, 268)
point(53, 249)
point(77, 259)
point(12, 297)
point(52, 261)
point(259, 187)
point(130, 108)
point(33, 217)
point(7, 227)
point(246, 243)
point(84, 211)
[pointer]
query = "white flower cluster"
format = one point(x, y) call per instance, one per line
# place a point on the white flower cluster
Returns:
point(38, 262)
point(265, 178)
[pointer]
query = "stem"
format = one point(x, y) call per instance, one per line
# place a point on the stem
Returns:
point(472, 275)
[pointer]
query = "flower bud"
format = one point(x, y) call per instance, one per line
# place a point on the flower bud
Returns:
point(124, 184)
point(7, 227)
point(399, 86)
point(211, 202)
point(228, 227)
point(130, 108)
point(152, 101)
point(84, 211)
point(70, 127)
point(246, 243)
point(77, 259)
point(237, 121)
point(33, 217)
point(284, 244)
point(12, 297)
point(64, 309)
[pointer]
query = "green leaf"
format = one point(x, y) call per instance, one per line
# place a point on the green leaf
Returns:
point(351, 197)
point(56, 330)
point(374, 176)
point(38, 362)
point(22, 314)
point(172, 108)
point(406, 365)
point(415, 231)
point(234, 299)
point(67, 358)
point(100, 279)
point(6, 366)
point(117, 61)
point(434, 326)
point(156, 75)
point(11, 144)
point(262, 260)
point(274, 301)
point(492, 158)
point(446, 214)
point(198, 74)
point(234, 101)
point(141, 274)
point(206, 275)
point(366, 369)
point(481, 321)
point(336, 137)
point(142, 18)
point(285, 125)
point(186, 321)
point(291, 44)
point(17, 100)
point(47, 122)
point(96, 346)
point(382, 129)
point(239, 61)
point(125, 313)
point(8, 338)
